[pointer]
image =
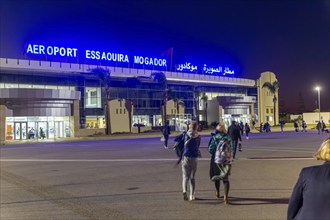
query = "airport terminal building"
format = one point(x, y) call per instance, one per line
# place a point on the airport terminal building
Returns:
point(55, 99)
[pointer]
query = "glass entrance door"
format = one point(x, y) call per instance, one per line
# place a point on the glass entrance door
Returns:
point(20, 130)
point(42, 130)
point(59, 129)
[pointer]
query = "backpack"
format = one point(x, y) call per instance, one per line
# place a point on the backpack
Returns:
point(223, 153)
point(179, 144)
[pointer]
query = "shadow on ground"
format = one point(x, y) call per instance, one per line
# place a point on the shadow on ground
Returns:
point(244, 201)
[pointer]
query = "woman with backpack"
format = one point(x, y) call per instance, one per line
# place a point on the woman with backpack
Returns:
point(189, 160)
point(217, 170)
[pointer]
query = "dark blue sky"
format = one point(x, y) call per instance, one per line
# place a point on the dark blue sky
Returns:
point(287, 37)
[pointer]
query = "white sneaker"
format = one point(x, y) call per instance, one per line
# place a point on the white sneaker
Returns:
point(192, 198)
point(165, 147)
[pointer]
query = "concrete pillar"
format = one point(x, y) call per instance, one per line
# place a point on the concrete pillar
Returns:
point(252, 110)
point(75, 122)
point(2, 123)
point(213, 111)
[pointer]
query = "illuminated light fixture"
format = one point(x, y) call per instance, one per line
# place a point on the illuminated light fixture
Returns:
point(318, 89)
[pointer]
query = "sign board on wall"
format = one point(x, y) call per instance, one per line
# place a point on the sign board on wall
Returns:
point(135, 61)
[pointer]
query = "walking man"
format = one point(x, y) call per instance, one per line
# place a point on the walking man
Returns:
point(247, 130)
point(166, 133)
point(319, 127)
point(303, 126)
point(282, 125)
point(235, 136)
point(323, 126)
point(241, 126)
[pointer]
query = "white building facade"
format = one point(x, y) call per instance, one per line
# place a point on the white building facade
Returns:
point(44, 99)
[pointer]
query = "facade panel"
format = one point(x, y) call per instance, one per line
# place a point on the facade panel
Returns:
point(31, 88)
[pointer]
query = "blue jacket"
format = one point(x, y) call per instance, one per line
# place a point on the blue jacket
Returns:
point(166, 130)
point(310, 198)
point(191, 146)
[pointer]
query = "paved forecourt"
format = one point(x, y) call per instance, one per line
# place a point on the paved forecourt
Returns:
point(137, 179)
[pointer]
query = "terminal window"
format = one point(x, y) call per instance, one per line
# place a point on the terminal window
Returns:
point(92, 97)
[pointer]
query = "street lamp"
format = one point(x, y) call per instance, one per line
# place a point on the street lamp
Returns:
point(318, 95)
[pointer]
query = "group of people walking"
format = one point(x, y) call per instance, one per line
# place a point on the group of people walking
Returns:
point(311, 192)
point(264, 127)
point(303, 126)
point(222, 147)
point(244, 127)
point(321, 128)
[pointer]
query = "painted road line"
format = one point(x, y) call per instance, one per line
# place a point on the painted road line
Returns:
point(277, 150)
point(142, 160)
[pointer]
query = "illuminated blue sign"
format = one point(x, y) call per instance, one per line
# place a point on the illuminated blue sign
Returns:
point(97, 55)
point(149, 61)
point(186, 67)
point(120, 58)
point(52, 50)
point(218, 70)
point(93, 55)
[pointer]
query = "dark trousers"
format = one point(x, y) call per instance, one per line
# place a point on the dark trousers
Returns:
point(233, 144)
point(166, 140)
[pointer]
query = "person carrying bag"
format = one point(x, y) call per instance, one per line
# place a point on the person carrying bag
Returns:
point(221, 159)
point(189, 160)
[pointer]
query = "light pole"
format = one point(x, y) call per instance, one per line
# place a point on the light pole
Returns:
point(318, 96)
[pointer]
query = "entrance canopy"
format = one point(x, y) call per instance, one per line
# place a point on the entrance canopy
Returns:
point(38, 102)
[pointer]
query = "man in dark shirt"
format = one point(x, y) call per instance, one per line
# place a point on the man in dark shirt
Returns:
point(166, 133)
point(235, 136)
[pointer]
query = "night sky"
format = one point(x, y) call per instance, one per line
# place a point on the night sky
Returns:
point(288, 37)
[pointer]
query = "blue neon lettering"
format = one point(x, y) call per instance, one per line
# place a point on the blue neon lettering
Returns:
point(105, 56)
point(88, 54)
point(74, 52)
point(62, 51)
point(228, 71)
point(149, 61)
point(118, 57)
point(97, 55)
point(56, 49)
point(114, 57)
point(211, 70)
point(42, 49)
point(69, 52)
point(52, 50)
point(29, 49)
point(35, 49)
point(186, 67)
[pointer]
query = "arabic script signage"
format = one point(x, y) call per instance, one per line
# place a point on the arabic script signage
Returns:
point(209, 70)
point(187, 67)
point(218, 70)
point(72, 54)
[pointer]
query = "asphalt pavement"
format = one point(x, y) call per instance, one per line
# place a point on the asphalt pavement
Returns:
point(136, 178)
